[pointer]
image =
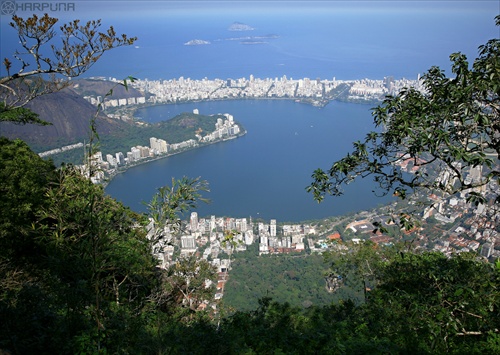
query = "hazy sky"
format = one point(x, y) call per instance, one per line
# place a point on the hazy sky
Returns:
point(160, 7)
point(137, 8)
point(140, 11)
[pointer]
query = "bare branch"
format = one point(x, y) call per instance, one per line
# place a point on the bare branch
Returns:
point(80, 48)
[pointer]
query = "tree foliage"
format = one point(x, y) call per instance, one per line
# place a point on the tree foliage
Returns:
point(298, 280)
point(41, 66)
point(172, 131)
point(170, 203)
point(445, 301)
point(445, 129)
point(77, 273)
point(23, 181)
point(187, 282)
point(421, 304)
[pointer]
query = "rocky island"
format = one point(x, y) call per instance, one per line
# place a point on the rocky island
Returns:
point(238, 26)
point(196, 42)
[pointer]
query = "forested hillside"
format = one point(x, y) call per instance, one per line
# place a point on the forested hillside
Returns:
point(178, 129)
point(299, 280)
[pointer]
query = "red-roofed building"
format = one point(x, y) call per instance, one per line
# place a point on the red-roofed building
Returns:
point(221, 284)
point(381, 239)
point(334, 236)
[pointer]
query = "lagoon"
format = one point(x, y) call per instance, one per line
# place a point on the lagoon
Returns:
point(264, 173)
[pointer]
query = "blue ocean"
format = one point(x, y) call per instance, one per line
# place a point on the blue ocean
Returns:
point(323, 41)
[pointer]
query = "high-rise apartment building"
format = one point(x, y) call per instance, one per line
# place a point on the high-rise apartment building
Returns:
point(487, 249)
point(212, 223)
point(272, 228)
point(120, 158)
point(136, 153)
point(194, 221)
point(188, 244)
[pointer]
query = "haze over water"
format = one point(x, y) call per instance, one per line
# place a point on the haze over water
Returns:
point(264, 174)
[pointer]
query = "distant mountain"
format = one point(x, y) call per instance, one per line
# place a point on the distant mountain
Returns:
point(70, 116)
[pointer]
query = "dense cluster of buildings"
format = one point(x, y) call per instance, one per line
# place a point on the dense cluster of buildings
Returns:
point(473, 228)
point(61, 150)
point(215, 239)
point(450, 224)
point(186, 89)
point(464, 227)
point(479, 232)
point(212, 236)
point(96, 100)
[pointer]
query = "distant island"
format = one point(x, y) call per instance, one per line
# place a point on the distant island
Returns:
point(238, 26)
point(253, 39)
point(196, 42)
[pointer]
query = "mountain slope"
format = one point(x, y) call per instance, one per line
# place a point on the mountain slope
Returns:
point(69, 115)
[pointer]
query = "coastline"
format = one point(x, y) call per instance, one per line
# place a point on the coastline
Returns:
point(129, 114)
point(307, 101)
point(110, 175)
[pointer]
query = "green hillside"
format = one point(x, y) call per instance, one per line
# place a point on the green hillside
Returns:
point(178, 129)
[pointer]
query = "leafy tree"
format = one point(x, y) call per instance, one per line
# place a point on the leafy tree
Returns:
point(423, 302)
point(170, 203)
point(94, 245)
point(76, 269)
point(358, 264)
point(449, 129)
point(186, 283)
point(35, 72)
point(24, 178)
point(298, 280)
point(76, 263)
point(432, 303)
